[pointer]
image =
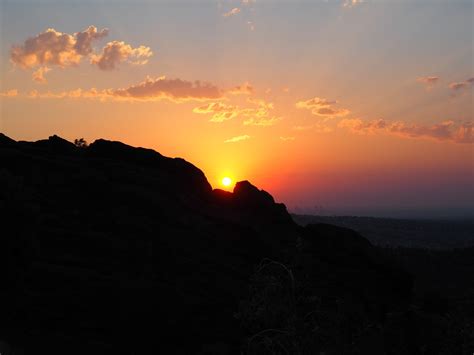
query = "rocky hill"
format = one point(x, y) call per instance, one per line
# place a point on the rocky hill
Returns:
point(114, 249)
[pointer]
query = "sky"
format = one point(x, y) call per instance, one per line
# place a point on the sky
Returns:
point(336, 107)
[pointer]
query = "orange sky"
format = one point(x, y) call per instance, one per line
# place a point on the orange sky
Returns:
point(335, 107)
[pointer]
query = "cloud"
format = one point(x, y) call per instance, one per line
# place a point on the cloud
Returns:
point(362, 127)
point(221, 112)
point(244, 89)
point(447, 131)
point(176, 90)
point(428, 81)
point(237, 139)
point(322, 107)
point(287, 139)
point(9, 93)
point(84, 39)
point(261, 103)
point(255, 116)
point(444, 131)
point(116, 52)
point(232, 12)
point(38, 75)
point(259, 116)
point(351, 3)
point(458, 87)
point(72, 94)
point(52, 48)
point(261, 121)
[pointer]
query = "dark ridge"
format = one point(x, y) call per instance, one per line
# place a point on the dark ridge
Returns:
point(5, 141)
point(115, 249)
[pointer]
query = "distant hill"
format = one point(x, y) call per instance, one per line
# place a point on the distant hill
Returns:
point(111, 249)
point(410, 233)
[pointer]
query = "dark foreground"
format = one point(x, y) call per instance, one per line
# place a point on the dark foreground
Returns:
point(110, 249)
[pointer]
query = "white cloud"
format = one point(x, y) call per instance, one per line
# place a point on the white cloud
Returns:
point(237, 139)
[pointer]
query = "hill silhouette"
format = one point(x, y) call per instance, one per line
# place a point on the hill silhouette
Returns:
point(108, 248)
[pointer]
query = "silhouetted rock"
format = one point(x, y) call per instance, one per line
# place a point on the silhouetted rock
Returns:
point(115, 249)
point(249, 196)
point(56, 145)
point(5, 141)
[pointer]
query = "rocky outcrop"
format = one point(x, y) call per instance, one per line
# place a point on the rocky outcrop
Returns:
point(110, 248)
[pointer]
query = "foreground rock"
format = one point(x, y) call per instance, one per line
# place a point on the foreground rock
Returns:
point(115, 249)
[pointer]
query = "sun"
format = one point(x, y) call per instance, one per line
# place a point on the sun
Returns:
point(226, 181)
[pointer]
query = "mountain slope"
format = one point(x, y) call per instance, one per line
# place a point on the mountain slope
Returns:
point(115, 249)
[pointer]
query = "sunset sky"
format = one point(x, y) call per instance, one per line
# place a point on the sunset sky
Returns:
point(336, 107)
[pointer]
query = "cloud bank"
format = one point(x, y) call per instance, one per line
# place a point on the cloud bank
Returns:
point(151, 89)
point(447, 131)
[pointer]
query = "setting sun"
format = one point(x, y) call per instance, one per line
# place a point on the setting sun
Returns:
point(226, 181)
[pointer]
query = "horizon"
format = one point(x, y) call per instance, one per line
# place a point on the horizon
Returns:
point(366, 110)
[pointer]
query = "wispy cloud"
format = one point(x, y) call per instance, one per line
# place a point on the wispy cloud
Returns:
point(221, 112)
point(319, 127)
point(244, 89)
point(287, 139)
point(237, 139)
point(261, 115)
point(254, 116)
point(232, 12)
point(448, 131)
point(322, 107)
point(362, 127)
point(303, 128)
point(262, 121)
point(9, 93)
point(38, 75)
point(458, 87)
point(428, 81)
point(351, 3)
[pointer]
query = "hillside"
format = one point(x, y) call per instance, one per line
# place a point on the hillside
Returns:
point(115, 249)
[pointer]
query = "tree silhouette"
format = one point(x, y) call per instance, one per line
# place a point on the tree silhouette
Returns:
point(81, 143)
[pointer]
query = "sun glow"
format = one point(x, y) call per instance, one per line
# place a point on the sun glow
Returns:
point(226, 181)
